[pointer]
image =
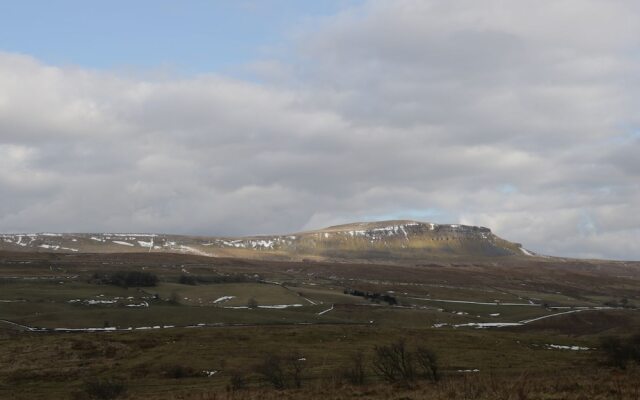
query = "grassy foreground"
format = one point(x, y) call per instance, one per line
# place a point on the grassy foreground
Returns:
point(180, 364)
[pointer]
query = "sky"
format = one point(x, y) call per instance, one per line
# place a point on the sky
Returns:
point(275, 116)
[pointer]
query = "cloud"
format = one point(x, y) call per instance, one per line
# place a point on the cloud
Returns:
point(387, 108)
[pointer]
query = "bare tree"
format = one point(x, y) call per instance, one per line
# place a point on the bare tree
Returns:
point(395, 363)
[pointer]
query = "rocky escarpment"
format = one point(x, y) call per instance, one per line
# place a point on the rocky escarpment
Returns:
point(366, 240)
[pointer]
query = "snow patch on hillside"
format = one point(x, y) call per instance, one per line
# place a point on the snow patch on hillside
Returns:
point(526, 252)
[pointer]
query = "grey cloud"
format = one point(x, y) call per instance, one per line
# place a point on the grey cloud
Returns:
point(385, 109)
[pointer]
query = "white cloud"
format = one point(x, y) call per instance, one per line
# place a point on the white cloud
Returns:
point(385, 109)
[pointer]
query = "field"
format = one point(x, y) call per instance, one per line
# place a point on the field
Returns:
point(508, 329)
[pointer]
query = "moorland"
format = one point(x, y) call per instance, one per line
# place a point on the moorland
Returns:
point(177, 325)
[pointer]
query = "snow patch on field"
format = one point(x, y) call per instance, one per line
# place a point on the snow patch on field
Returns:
point(325, 311)
point(495, 303)
point(134, 235)
point(55, 247)
point(274, 307)
point(122, 243)
point(281, 306)
point(481, 325)
point(561, 347)
point(223, 299)
point(143, 304)
point(92, 302)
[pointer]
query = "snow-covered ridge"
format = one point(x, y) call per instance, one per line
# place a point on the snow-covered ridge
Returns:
point(402, 229)
point(400, 233)
point(263, 243)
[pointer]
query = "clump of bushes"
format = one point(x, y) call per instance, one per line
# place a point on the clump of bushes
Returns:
point(126, 279)
point(188, 280)
point(375, 297)
point(398, 364)
point(620, 352)
point(282, 372)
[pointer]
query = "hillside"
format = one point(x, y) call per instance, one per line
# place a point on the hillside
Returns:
point(384, 240)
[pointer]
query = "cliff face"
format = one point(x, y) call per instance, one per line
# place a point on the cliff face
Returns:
point(405, 239)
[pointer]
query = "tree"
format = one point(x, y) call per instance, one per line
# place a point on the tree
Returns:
point(395, 363)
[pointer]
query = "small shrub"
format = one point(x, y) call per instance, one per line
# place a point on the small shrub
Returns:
point(355, 372)
point(252, 303)
point(174, 299)
point(272, 371)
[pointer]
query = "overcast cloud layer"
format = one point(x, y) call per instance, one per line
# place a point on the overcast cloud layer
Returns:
point(519, 116)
